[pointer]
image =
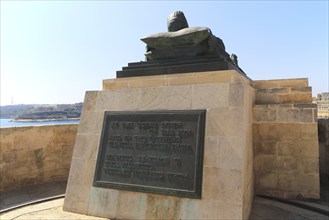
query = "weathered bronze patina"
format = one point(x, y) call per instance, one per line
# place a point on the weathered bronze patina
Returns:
point(182, 41)
point(152, 151)
point(182, 49)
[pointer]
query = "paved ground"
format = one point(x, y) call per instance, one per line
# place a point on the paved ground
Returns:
point(46, 202)
point(29, 195)
point(46, 210)
point(266, 209)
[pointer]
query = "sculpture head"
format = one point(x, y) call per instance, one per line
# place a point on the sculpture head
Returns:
point(176, 21)
point(234, 59)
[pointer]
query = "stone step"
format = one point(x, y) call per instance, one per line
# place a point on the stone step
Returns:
point(284, 95)
point(280, 83)
point(283, 113)
point(185, 65)
point(147, 64)
point(174, 69)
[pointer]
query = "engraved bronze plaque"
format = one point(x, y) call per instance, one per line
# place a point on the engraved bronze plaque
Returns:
point(152, 151)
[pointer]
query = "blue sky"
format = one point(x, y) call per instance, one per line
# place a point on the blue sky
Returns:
point(54, 51)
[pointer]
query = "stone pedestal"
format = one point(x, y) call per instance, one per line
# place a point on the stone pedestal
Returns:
point(227, 181)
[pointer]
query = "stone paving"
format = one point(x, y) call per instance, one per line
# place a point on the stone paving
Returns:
point(17, 198)
point(262, 209)
point(46, 210)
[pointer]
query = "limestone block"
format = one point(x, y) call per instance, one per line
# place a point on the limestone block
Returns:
point(91, 122)
point(298, 148)
point(301, 89)
point(63, 134)
point(310, 166)
point(295, 114)
point(8, 178)
point(90, 99)
point(265, 131)
point(290, 115)
point(231, 152)
point(315, 115)
point(301, 195)
point(264, 114)
point(239, 78)
point(230, 186)
point(236, 95)
point(248, 197)
point(23, 168)
point(299, 82)
point(299, 183)
point(229, 211)
point(309, 131)
point(196, 209)
point(28, 181)
point(249, 101)
point(209, 96)
point(55, 149)
point(263, 84)
point(182, 79)
point(210, 187)
point(49, 165)
point(118, 100)
point(32, 137)
point(7, 156)
point(269, 180)
point(162, 207)
point(7, 133)
point(175, 97)
point(131, 205)
point(286, 98)
point(78, 187)
point(211, 151)
point(224, 121)
point(268, 164)
point(291, 164)
point(86, 146)
point(154, 98)
point(307, 115)
point(154, 82)
point(7, 137)
point(179, 97)
point(103, 202)
point(302, 97)
point(266, 98)
point(135, 83)
point(25, 156)
point(55, 175)
point(114, 84)
point(216, 77)
point(287, 131)
point(273, 91)
point(267, 147)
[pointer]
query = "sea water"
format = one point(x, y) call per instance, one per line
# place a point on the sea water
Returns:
point(4, 123)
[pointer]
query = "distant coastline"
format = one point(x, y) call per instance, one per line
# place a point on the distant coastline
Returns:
point(44, 120)
point(41, 112)
point(8, 122)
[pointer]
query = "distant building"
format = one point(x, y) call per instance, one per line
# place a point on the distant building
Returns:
point(78, 106)
point(322, 100)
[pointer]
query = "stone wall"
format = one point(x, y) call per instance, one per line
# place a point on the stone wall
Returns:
point(35, 155)
point(323, 129)
point(286, 150)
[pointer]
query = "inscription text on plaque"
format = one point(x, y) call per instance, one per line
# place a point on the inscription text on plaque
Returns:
point(152, 151)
